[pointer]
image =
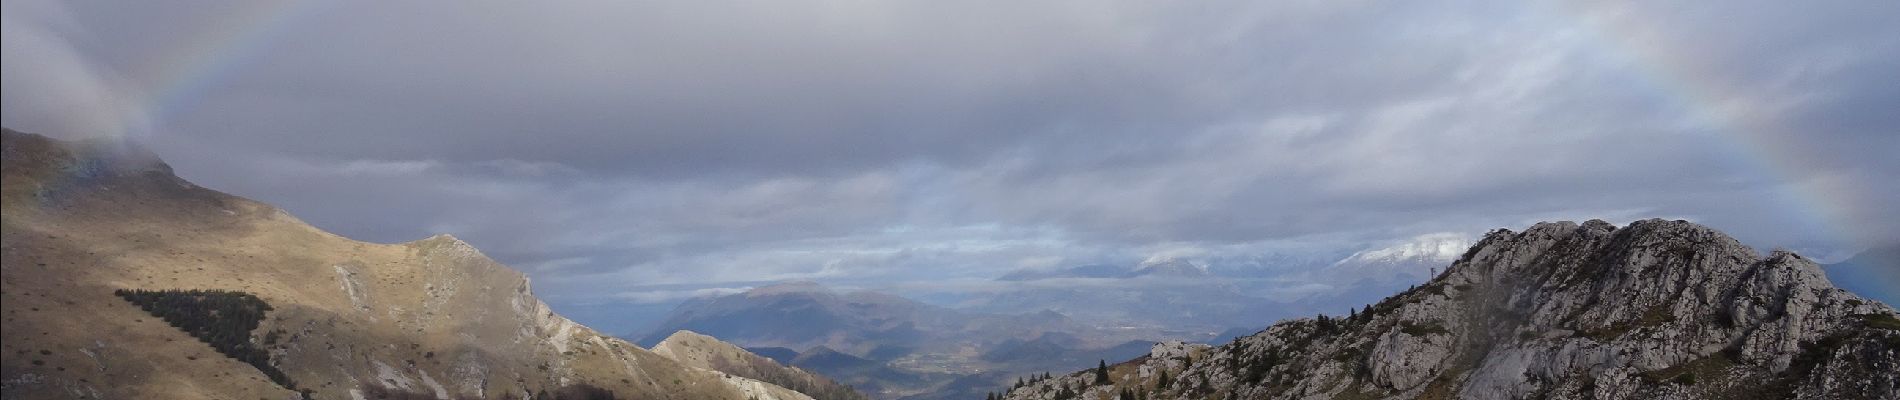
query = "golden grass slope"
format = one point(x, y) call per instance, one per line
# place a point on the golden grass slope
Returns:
point(432, 317)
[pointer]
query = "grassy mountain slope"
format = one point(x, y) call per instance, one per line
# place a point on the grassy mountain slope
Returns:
point(432, 318)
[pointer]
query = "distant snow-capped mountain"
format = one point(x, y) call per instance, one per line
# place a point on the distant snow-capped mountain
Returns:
point(1371, 274)
point(1435, 247)
point(1411, 260)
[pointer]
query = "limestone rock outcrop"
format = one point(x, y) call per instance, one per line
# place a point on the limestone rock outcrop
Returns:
point(1654, 310)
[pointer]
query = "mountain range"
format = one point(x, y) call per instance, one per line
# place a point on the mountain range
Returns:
point(891, 347)
point(122, 280)
point(1035, 320)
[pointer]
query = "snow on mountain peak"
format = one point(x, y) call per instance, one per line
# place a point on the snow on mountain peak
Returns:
point(1443, 247)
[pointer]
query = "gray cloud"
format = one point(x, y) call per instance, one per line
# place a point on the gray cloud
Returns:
point(612, 147)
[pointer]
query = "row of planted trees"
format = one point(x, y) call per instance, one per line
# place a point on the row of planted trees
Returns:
point(222, 319)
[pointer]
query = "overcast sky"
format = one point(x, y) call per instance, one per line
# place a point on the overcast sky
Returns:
point(636, 152)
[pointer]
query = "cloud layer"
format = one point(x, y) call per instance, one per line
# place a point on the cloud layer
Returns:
point(607, 147)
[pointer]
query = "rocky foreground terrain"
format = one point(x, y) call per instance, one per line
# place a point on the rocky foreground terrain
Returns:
point(1655, 310)
point(121, 280)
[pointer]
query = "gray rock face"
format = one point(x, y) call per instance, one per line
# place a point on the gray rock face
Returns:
point(1655, 310)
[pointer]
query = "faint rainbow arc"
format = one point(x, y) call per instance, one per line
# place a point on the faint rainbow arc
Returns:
point(183, 74)
point(1757, 140)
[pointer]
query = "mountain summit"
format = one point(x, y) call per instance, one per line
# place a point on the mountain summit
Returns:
point(1655, 310)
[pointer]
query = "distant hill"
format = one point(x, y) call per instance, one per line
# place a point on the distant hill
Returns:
point(780, 355)
point(1051, 352)
point(1192, 308)
point(890, 347)
point(1874, 274)
point(1234, 333)
point(1179, 294)
point(802, 315)
point(872, 376)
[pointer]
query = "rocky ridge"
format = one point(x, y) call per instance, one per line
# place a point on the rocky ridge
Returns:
point(705, 352)
point(1658, 309)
